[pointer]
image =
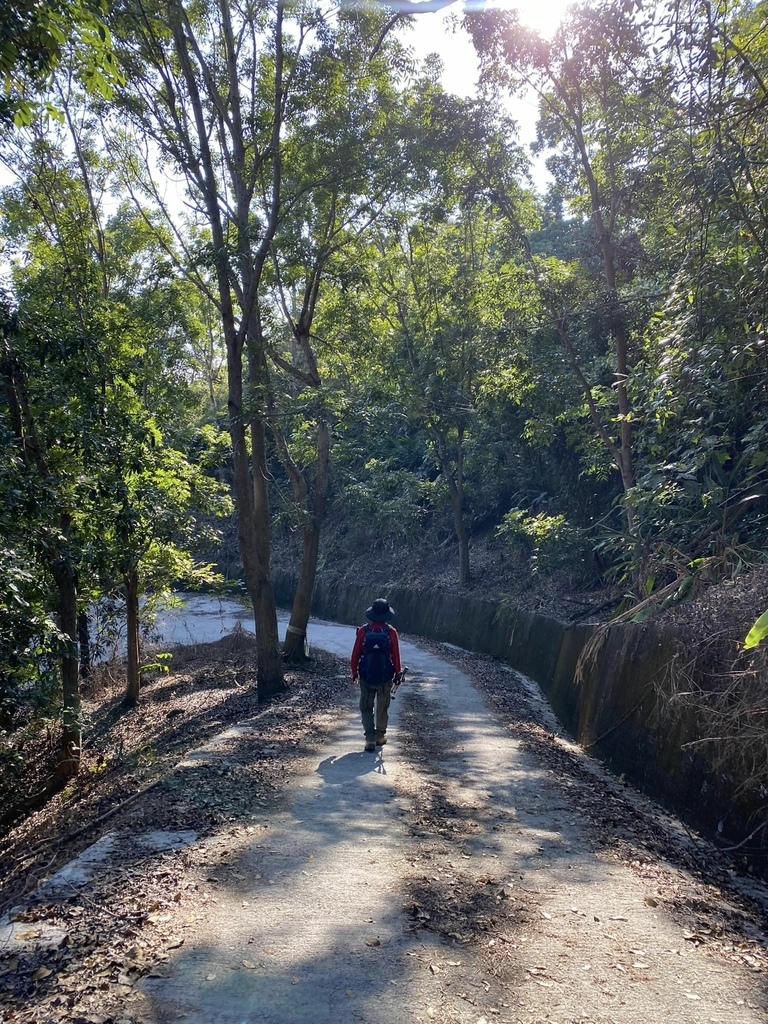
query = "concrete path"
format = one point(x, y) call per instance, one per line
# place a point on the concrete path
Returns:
point(311, 924)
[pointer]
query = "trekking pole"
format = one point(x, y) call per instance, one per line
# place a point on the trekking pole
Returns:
point(399, 679)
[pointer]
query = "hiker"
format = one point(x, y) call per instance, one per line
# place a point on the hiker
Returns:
point(375, 663)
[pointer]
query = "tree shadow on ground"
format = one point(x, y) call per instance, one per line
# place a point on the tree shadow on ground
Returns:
point(318, 960)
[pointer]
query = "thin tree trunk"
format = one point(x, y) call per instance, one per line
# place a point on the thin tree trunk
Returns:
point(464, 571)
point(269, 668)
point(133, 680)
point(269, 671)
point(252, 501)
point(294, 648)
point(84, 645)
point(455, 483)
point(617, 324)
point(619, 331)
point(461, 527)
point(295, 638)
point(71, 734)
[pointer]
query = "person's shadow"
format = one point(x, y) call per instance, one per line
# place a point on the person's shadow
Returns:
point(336, 771)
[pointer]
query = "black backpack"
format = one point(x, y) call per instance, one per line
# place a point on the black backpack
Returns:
point(376, 667)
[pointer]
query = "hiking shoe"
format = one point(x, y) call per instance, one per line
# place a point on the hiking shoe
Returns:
point(370, 746)
point(380, 741)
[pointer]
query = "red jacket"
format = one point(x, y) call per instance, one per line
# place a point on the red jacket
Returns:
point(394, 646)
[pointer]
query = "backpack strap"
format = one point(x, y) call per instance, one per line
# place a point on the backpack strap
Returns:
point(368, 628)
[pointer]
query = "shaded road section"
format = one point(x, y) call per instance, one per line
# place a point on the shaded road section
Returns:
point(330, 911)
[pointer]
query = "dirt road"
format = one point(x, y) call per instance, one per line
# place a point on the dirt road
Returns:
point(448, 879)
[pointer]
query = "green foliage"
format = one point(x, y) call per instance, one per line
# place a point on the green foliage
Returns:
point(554, 545)
point(757, 633)
point(464, 346)
point(100, 482)
point(386, 501)
point(29, 641)
point(35, 38)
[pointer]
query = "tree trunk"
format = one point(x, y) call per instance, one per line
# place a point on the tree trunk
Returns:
point(71, 734)
point(604, 230)
point(196, 152)
point(269, 680)
point(84, 642)
point(455, 483)
point(269, 669)
point(294, 649)
point(618, 328)
point(461, 527)
point(252, 521)
point(133, 680)
point(463, 535)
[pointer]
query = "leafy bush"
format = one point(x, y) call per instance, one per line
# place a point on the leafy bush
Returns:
point(29, 641)
point(385, 502)
point(552, 542)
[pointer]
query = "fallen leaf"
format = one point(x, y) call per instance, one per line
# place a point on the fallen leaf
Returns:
point(690, 995)
point(350, 993)
point(434, 968)
point(175, 942)
point(41, 972)
point(373, 942)
point(249, 964)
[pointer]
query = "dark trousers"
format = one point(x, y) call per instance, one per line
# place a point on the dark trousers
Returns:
point(378, 696)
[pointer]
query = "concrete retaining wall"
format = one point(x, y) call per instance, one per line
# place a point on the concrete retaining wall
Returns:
point(615, 712)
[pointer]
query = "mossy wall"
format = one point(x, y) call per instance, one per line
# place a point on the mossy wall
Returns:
point(615, 711)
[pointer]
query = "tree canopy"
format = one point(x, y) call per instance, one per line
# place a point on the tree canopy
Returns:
point(258, 249)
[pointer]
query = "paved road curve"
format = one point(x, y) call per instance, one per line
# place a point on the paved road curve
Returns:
point(313, 927)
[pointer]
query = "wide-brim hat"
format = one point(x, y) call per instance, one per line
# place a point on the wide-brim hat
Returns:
point(379, 611)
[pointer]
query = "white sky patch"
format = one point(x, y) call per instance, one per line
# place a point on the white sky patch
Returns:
point(441, 32)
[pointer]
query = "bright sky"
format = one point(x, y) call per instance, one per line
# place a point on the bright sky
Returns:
point(438, 33)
